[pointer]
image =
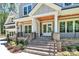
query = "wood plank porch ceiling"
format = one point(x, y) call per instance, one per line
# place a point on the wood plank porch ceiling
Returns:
point(64, 17)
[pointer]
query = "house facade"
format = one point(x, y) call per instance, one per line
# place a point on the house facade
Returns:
point(48, 19)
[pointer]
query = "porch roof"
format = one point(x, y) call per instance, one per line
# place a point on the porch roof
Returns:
point(23, 19)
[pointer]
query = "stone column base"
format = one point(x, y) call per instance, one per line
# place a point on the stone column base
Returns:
point(59, 46)
point(56, 37)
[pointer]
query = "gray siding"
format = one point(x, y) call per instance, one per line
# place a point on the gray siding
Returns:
point(69, 35)
point(44, 9)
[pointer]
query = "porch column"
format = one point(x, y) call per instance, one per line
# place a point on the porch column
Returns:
point(34, 27)
point(56, 34)
point(56, 23)
point(16, 26)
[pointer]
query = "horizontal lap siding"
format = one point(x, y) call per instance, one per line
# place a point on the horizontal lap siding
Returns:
point(69, 35)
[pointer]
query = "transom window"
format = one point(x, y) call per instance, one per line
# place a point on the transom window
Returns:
point(28, 29)
point(27, 9)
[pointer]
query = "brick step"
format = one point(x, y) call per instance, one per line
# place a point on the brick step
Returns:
point(38, 52)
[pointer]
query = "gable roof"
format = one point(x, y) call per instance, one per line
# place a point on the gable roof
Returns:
point(51, 5)
point(11, 14)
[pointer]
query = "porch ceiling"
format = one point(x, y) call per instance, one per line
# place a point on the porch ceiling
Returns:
point(64, 17)
point(45, 18)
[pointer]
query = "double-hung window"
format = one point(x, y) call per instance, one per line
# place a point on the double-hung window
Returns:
point(77, 26)
point(27, 9)
point(62, 26)
point(70, 26)
point(28, 29)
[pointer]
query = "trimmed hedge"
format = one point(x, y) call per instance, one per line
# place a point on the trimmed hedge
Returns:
point(70, 48)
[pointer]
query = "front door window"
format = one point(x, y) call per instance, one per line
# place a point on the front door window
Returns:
point(44, 28)
point(28, 29)
point(47, 28)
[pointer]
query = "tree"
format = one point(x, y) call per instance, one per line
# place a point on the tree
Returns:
point(4, 15)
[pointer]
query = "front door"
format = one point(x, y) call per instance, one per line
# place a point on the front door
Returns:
point(47, 28)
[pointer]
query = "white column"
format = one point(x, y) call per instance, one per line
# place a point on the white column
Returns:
point(38, 27)
point(34, 25)
point(56, 22)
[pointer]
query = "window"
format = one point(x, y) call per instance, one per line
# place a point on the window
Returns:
point(70, 26)
point(62, 26)
point(27, 9)
point(68, 4)
point(44, 28)
point(49, 28)
point(25, 29)
point(76, 26)
point(10, 33)
point(28, 29)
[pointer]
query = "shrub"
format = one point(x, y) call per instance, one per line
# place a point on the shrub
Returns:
point(68, 48)
point(64, 48)
point(77, 47)
point(13, 43)
point(76, 53)
point(66, 53)
point(21, 42)
point(21, 46)
point(26, 42)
